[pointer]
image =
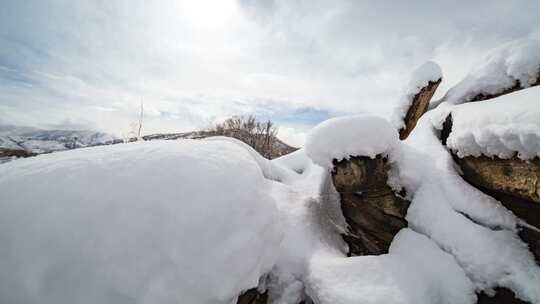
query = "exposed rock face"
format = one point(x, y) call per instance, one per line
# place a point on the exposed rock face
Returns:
point(511, 176)
point(372, 210)
point(418, 107)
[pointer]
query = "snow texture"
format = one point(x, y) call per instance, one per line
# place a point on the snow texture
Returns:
point(420, 78)
point(145, 222)
point(515, 63)
point(268, 168)
point(414, 271)
point(504, 127)
point(342, 137)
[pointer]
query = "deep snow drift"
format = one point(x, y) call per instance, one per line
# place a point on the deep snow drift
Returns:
point(150, 222)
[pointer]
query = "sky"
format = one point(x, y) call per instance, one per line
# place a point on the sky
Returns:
point(89, 64)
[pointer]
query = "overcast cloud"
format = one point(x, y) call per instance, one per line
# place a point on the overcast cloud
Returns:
point(87, 64)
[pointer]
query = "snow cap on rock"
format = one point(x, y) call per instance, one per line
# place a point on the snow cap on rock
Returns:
point(342, 137)
point(429, 71)
point(420, 78)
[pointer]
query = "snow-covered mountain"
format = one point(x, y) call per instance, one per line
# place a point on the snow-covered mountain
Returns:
point(16, 141)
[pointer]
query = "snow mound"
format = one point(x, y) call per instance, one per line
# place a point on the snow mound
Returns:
point(146, 222)
point(414, 271)
point(269, 169)
point(502, 127)
point(420, 78)
point(342, 137)
point(517, 61)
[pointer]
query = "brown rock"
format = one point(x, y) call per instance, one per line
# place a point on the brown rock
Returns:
point(371, 208)
point(418, 107)
point(511, 176)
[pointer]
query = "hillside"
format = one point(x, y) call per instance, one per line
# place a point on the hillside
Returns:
point(17, 141)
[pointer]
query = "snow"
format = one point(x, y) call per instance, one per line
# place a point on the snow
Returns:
point(420, 78)
point(508, 126)
point(515, 62)
point(269, 169)
point(341, 137)
point(414, 271)
point(146, 222)
point(311, 220)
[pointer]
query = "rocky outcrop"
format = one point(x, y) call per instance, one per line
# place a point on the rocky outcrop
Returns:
point(513, 176)
point(372, 210)
point(418, 107)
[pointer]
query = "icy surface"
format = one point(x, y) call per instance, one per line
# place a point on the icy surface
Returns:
point(504, 67)
point(147, 222)
point(506, 126)
point(420, 78)
point(342, 137)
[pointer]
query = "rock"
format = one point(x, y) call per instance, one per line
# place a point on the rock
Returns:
point(371, 208)
point(252, 296)
point(514, 176)
point(418, 107)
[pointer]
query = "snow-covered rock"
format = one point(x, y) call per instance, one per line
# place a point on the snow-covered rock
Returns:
point(420, 78)
point(512, 66)
point(341, 137)
point(146, 222)
point(504, 127)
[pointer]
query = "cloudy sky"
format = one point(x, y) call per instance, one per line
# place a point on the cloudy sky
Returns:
point(88, 64)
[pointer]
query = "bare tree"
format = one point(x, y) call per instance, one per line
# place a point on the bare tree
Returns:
point(141, 116)
point(261, 136)
point(135, 128)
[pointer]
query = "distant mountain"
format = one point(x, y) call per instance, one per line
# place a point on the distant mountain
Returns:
point(16, 141)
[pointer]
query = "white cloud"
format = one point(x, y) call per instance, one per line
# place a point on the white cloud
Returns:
point(194, 62)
